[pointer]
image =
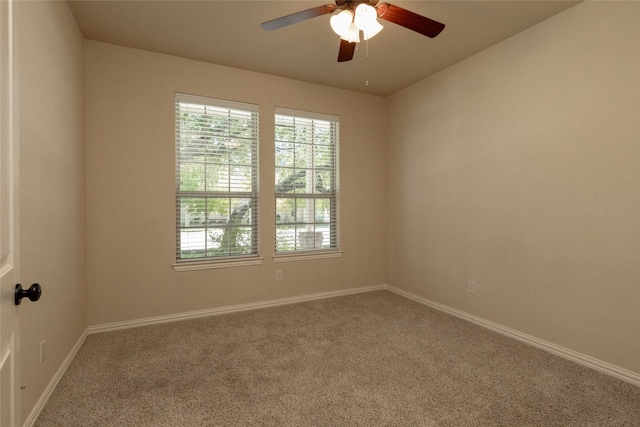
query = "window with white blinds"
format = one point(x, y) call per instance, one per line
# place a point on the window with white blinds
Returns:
point(306, 181)
point(216, 178)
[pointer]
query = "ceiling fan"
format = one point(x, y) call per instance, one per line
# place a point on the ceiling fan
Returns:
point(356, 16)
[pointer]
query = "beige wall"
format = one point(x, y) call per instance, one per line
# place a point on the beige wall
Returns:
point(519, 168)
point(131, 190)
point(52, 188)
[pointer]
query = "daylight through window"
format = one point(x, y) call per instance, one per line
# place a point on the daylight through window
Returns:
point(306, 181)
point(216, 178)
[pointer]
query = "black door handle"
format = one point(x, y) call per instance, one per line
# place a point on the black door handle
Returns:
point(33, 293)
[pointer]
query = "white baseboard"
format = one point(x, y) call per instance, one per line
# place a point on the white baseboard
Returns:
point(35, 412)
point(582, 359)
point(225, 310)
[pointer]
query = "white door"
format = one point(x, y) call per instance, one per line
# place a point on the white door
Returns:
point(9, 238)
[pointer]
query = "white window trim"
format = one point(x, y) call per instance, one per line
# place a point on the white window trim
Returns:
point(233, 260)
point(336, 252)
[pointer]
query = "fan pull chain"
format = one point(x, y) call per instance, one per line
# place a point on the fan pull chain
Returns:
point(366, 64)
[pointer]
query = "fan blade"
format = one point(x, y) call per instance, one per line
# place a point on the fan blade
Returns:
point(410, 20)
point(294, 18)
point(346, 51)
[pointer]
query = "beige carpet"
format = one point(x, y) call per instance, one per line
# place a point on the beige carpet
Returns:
point(372, 359)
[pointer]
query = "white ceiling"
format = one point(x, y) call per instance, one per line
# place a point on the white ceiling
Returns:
point(229, 33)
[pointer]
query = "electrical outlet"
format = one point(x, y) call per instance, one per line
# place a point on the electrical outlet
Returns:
point(278, 275)
point(471, 287)
point(41, 351)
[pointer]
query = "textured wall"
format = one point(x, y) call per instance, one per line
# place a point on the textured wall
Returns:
point(518, 168)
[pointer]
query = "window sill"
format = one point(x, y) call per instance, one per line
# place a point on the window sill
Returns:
point(306, 256)
point(210, 264)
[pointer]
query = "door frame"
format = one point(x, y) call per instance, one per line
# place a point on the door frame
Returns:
point(10, 412)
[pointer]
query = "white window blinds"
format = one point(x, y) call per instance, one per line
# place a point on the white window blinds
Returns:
point(216, 178)
point(306, 181)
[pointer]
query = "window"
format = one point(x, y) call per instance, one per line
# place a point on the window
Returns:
point(305, 181)
point(216, 178)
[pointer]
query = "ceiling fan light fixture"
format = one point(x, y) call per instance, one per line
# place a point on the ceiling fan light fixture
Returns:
point(348, 26)
point(366, 20)
point(353, 34)
point(341, 22)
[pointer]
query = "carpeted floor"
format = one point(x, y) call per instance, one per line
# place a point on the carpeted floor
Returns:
point(371, 359)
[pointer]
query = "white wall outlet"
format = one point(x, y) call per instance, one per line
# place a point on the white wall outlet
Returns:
point(41, 351)
point(471, 287)
point(278, 275)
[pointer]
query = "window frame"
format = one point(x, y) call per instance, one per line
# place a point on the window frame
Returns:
point(207, 260)
point(297, 251)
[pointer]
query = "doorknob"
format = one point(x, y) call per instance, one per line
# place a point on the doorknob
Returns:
point(33, 293)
